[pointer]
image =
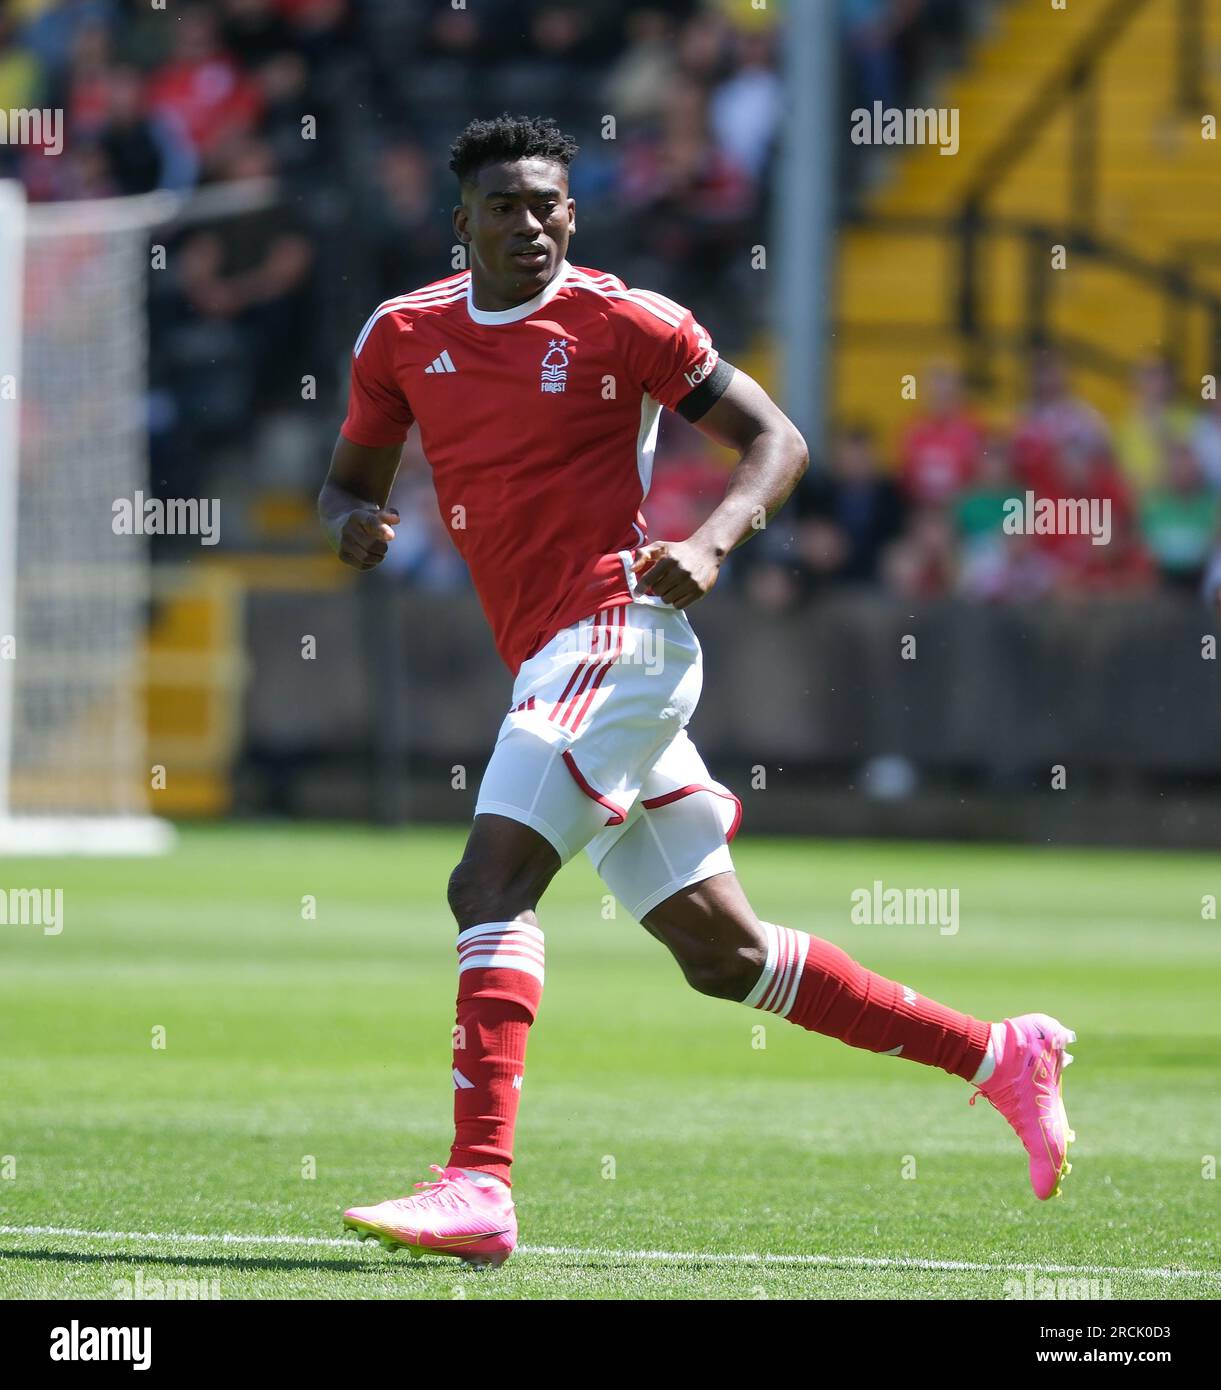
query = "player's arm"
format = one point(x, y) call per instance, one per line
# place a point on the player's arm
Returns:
point(773, 458)
point(352, 504)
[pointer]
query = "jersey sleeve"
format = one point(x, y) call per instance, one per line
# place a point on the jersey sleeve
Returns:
point(672, 354)
point(378, 412)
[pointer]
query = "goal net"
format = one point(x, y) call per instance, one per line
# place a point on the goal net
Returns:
point(74, 595)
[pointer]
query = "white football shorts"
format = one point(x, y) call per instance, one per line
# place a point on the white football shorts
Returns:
point(594, 755)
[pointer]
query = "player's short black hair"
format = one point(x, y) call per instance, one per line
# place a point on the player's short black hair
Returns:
point(506, 138)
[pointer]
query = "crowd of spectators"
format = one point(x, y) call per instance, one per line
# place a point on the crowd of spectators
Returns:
point(346, 109)
point(349, 106)
point(949, 513)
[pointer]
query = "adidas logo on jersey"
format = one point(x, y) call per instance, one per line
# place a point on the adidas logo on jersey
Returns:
point(444, 363)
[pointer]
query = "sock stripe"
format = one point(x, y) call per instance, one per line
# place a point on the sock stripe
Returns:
point(509, 942)
point(776, 989)
point(762, 984)
point(782, 965)
point(801, 945)
point(504, 960)
point(502, 946)
point(499, 929)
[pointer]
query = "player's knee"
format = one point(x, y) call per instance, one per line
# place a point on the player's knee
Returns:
point(479, 892)
point(472, 897)
point(723, 972)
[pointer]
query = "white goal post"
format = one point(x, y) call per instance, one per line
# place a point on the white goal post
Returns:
point(74, 596)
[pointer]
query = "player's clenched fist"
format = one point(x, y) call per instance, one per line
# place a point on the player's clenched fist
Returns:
point(677, 571)
point(363, 536)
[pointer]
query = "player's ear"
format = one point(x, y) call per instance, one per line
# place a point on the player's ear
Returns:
point(461, 219)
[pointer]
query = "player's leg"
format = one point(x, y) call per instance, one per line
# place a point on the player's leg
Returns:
point(671, 867)
point(467, 1210)
point(493, 893)
point(724, 950)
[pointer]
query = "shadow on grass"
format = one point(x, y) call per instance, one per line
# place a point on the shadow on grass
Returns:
point(355, 1266)
point(376, 1264)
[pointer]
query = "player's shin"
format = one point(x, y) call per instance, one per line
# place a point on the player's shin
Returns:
point(500, 985)
point(821, 988)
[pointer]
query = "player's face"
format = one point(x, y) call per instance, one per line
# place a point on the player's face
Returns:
point(517, 219)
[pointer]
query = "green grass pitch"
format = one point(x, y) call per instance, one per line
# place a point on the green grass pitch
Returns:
point(662, 1152)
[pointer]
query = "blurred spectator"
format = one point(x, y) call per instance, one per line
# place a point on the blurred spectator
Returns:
point(85, 85)
point(401, 218)
point(940, 452)
point(252, 270)
point(687, 206)
point(704, 48)
point(995, 564)
point(979, 508)
point(636, 84)
point(1013, 569)
point(746, 107)
point(52, 33)
point(1052, 422)
point(1206, 441)
point(21, 81)
point(847, 514)
point(253, 31)
point(21, 74)
point(923, 563)
point(1082, 469)
point(1121, 568)
point(875, 36)
point(142, 153)
point(1179, 519)
point(201, 88)
point(230, 324)
point(1154, 425)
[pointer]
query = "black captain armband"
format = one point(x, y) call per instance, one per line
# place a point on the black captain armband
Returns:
point(700, 401)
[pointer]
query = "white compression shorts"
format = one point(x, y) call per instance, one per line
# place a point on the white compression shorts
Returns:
point(594, 755)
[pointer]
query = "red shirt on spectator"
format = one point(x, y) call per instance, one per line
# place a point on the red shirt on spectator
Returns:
point(939, 457)
point(210, 99)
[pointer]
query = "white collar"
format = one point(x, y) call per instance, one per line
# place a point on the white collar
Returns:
point(519, 311)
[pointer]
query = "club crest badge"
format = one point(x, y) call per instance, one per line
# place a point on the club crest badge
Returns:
point(554, 375)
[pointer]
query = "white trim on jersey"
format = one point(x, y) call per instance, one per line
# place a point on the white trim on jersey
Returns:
point(443, 292)
point(612, 281)
point(657, 304)
point(519, 311)
point(646, 442)
point(669, 305)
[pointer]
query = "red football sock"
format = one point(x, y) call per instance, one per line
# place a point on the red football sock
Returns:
point(819, 987)
point(500, 984)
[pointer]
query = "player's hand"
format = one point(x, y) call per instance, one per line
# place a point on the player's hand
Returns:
point(680, 572)
point(364, 537)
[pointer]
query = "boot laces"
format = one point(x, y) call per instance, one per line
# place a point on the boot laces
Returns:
point(436, 1192)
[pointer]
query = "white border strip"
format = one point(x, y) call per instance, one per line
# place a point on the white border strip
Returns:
point(659, 1256)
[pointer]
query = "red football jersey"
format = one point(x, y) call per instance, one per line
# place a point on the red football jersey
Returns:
point(539, 423)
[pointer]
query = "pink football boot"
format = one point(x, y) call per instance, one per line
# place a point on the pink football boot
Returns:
point(451, 1216)
point(1025, 1088)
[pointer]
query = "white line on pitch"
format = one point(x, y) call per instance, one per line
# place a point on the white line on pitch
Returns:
point(660, 1256)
